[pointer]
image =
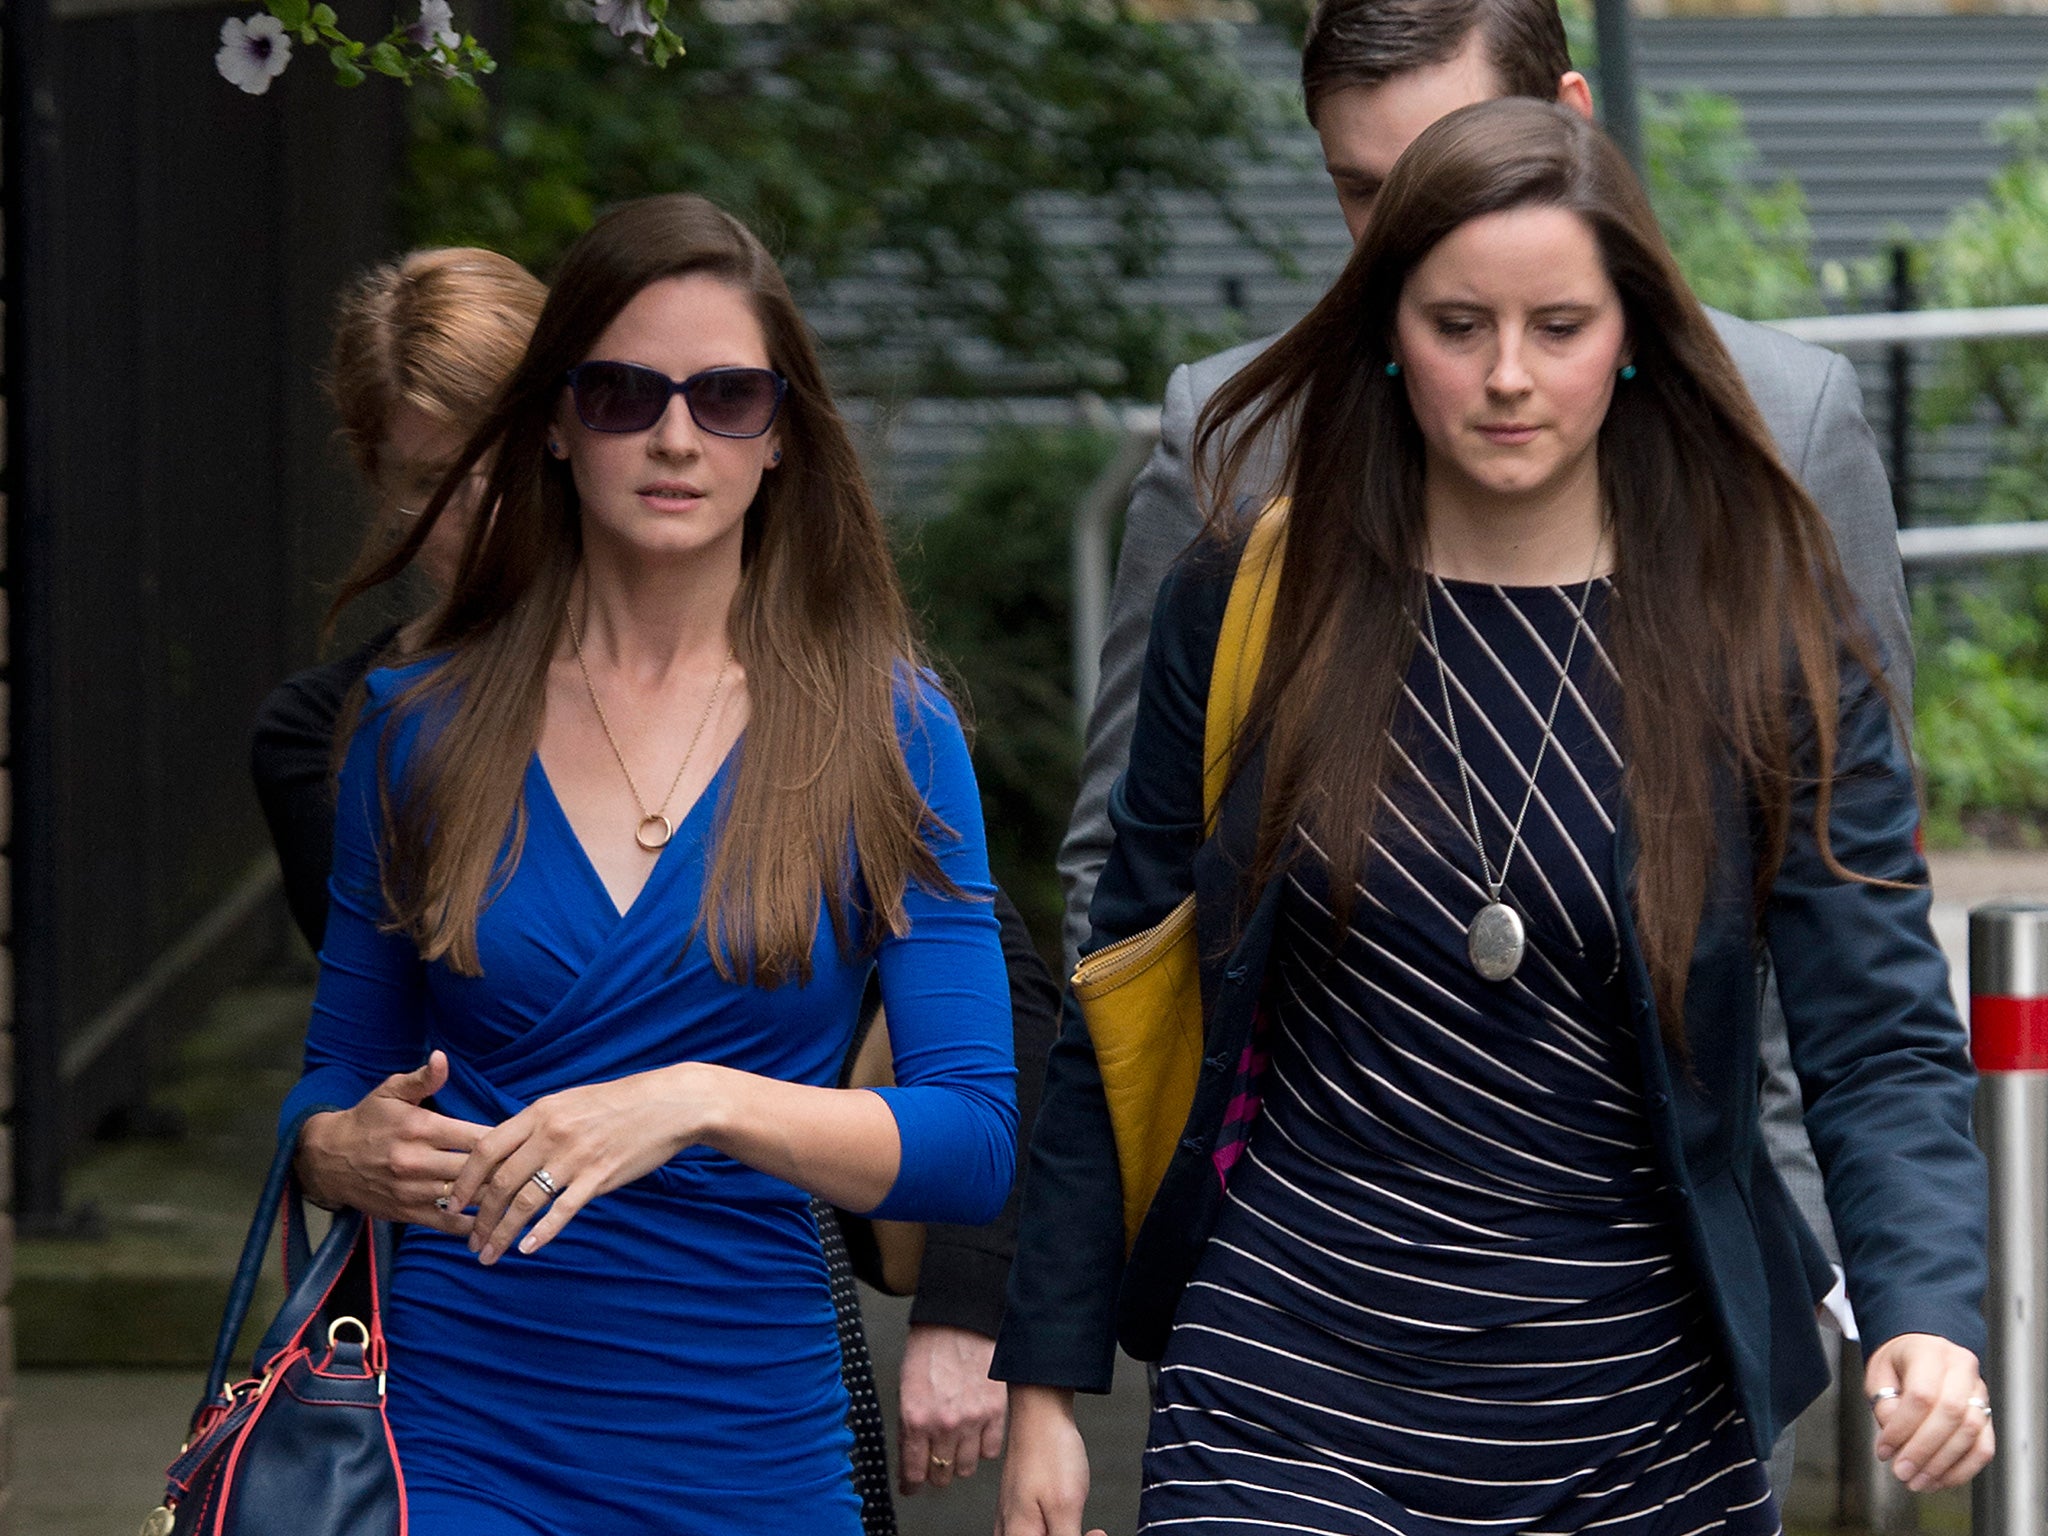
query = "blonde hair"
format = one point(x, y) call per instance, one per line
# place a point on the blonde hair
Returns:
point(438, 329)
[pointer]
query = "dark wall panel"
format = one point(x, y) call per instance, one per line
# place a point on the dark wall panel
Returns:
point(196, 506)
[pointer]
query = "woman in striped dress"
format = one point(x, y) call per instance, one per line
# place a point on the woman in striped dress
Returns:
point(1565, 715)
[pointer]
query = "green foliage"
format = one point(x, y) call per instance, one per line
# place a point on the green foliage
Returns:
point(1981, 709)
point(929, 138)
point(405, 53)
point(1995, 252)
point(1744, 248)
point(1982, 698)
point(990, 578)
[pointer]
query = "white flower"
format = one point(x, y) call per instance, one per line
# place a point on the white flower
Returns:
point(436, 26)
point(252, 53)
point(626, 18)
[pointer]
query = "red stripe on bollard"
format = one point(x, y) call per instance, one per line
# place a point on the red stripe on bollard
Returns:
point(2009, 1034)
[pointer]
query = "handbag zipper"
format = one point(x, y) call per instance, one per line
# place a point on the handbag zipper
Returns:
point(1133, 953)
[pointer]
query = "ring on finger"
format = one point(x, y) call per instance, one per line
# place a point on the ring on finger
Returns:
point(1979, 1404)
point(1884, 1394)
point(445, 1201)
point(942, 1463)
point(547, 1183)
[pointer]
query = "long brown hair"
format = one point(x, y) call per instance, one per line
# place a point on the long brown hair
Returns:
point(818, 622)
point(1725, 576)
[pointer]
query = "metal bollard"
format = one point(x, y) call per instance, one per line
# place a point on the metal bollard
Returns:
point(1867, 1496)
point(2009, 1040)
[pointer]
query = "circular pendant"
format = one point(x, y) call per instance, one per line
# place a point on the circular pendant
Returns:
point(653, 832)
point(161, 1522)
point(1495, 941)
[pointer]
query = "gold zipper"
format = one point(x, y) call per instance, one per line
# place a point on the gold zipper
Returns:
point(1133, 953)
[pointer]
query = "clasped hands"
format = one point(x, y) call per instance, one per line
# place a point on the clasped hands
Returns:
point(1933, 1411)
point(391, 1157)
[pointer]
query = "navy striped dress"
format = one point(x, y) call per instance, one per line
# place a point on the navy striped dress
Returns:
point(1446, 1292)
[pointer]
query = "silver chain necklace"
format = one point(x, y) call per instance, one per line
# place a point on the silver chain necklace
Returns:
point(1496, 941)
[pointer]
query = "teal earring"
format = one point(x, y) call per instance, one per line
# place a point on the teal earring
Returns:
point(1393, 370)
point(1628, 371)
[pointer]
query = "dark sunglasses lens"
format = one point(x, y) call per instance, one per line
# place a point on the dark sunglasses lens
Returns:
point(734, 402)
point(613, 397)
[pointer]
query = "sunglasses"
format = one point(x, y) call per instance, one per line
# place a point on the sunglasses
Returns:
point(726, 402)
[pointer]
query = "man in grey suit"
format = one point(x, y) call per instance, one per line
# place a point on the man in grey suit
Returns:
point(1375, 73)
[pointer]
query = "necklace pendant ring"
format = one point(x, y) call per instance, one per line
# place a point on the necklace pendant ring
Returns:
point(653, 832)
point(1495, 941)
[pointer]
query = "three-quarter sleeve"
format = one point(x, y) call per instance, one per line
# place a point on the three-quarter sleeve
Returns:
point(369, 1007)
point(948, 999)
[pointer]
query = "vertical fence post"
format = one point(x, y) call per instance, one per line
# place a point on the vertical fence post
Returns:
point(1867, 1496)
point(1899, 363)
point(2009, 1039)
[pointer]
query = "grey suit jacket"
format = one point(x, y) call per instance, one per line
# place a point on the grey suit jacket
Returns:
point(1813, 406)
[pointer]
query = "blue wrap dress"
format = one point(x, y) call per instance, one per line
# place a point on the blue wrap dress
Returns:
point(669, 1362)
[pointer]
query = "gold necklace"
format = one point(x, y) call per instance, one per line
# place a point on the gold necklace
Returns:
point(655, 828)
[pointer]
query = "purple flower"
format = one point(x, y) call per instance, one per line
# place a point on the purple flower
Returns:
point(436, 26)
point(626, 18)
point(252, 53)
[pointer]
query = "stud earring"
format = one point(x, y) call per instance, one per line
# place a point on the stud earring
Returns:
point(775, 457)
point(1393, 370)
point(1628, 371)
point(555, 448)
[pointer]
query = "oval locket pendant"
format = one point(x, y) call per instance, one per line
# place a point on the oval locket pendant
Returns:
point(1495, 941)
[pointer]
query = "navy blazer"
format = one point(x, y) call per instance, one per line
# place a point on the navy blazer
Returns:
point(1882, 1058)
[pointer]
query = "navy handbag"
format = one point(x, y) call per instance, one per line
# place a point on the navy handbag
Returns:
point(302, 1447)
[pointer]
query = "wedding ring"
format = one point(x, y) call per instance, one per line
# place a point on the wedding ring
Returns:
point(546, 1182)
point(1884, 1394)
point(942, 1462)
point(1978, 1403)
point(445, 1200)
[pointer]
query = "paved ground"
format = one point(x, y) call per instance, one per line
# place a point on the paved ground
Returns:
point(91, 1444)
point(91, 1447)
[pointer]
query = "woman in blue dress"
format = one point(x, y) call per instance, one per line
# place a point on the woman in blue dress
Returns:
point(615, 854)
point(1565, 721)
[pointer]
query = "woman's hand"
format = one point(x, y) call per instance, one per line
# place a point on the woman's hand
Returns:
point(389, 1157)
point(1933, 1411)
point(951, 1416)
point(1045, 1472)
point(589, 1140)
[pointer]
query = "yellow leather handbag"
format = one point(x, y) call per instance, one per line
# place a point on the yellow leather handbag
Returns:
point(1142, 996)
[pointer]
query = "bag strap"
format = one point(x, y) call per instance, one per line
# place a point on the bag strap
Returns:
point(281, 1193)
point(1240, 651)
point(312, 1289)
point(247, 1272)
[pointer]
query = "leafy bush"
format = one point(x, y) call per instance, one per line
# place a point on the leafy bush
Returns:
point(1982, 698)
point(1981, 710)
point(917, 138)
point(1744, 248)
point(990, 579)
